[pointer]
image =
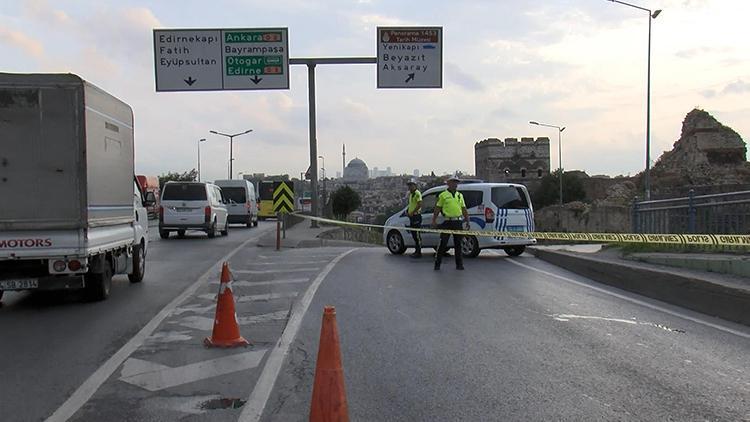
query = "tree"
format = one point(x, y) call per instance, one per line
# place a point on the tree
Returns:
point(548, 192)
point(173, 176)
point(344, 200)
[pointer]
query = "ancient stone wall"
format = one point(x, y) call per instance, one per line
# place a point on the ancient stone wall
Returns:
point(512, 160)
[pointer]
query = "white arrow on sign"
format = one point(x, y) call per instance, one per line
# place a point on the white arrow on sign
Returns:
point(153, 376)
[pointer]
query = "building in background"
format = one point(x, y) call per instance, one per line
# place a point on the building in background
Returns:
point(356, 171)
point(525, 161)
point(416, 173)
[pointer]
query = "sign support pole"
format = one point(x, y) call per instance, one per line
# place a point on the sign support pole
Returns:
point(278, 231)
point(311, 63)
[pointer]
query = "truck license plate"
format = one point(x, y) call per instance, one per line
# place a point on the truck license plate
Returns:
point(30, 283)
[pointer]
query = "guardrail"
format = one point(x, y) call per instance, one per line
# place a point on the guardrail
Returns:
point(725, 213)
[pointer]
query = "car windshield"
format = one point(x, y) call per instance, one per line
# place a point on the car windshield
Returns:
point(184, 192)
point(234, 195)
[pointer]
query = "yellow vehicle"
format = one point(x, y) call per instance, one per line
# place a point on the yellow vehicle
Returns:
point(265, 202)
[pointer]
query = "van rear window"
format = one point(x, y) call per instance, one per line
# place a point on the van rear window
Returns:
point(509, 197)
point(184, 192)
point(236, 195)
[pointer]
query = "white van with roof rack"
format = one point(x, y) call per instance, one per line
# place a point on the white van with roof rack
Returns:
point(242, 202)
point(491, 206)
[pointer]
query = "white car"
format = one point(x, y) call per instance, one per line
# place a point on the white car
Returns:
point(491, 206)
point(242, 204)
point(192, 206)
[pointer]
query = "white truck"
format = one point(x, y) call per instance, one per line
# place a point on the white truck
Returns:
point(71, 212)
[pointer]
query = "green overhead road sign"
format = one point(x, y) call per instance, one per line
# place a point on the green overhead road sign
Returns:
point(221, 59)
point(283, 197)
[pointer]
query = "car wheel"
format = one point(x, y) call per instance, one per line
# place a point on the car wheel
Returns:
point(212, 230)
point(250, 223)
point(98, 285)
point(514, 250)
point(164, 234)
point(225, 232)
point(180, 233)
point(255, 223)
point(470, 246)
point(139, 264)
point(396, 243)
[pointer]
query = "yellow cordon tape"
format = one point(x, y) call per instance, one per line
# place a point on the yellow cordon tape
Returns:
point(673, 239)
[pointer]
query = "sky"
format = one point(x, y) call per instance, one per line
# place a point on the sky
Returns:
point(574, 63)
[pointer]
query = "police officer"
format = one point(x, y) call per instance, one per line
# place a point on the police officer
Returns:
point(414, 212)
point(451, 204)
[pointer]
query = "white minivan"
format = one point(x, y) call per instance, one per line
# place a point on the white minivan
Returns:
point(242, 203)
point(491, 206)
point(192, 206)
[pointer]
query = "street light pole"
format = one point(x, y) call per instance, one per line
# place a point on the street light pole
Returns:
point(652, 14)
point(323, 174)
point(199, 157)
point(560, 130)
point(231, 146)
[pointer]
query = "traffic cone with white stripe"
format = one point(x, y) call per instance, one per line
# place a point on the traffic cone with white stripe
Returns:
point(226, 332)
point(329, 393)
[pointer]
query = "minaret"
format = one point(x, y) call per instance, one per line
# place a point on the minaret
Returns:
point(343, 161)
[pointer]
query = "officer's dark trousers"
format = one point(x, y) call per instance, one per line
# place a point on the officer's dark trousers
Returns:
point(450, 225)
point(415, 222)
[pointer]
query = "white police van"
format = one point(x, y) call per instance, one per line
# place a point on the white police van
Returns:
point(491, 206)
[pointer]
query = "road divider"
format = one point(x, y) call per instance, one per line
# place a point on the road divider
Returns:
point(739, 240)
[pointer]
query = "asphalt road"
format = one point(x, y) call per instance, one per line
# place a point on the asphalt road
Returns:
point(50, 343)
point(502, 341)
point(507, 339)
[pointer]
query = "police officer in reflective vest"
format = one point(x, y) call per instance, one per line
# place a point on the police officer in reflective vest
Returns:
point(451, 204)
point(414, 212)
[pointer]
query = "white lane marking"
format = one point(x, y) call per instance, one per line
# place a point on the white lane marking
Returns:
point(287, 262)
point(298, 255)
point(254, 298)
point(636, 301)
point(568, 317)
point(169, 337)
point(198, 309)
point(253, 409)
point(243, 283)
point(207, 324)
point(93, 382)
point(155, 377)
point(279, 270)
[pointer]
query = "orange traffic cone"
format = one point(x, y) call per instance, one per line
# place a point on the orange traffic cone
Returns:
point(226, 331)
point(329, 394)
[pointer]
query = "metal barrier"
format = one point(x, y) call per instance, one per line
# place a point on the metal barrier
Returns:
point(725, 213)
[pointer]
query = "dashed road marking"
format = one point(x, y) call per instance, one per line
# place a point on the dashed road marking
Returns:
point(254, 298)
point(243, 283)
point(279, 270)
point(154, 376)
point(207, 324)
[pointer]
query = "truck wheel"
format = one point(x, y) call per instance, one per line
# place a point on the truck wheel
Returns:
point(164, 234)
point(212, 230)
point(98, 285)
point(139, 264)
point(225, 232)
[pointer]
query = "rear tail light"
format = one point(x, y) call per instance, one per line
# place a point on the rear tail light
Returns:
point(489, 215)
point(59, 266)
point(208, 214)
point(248, 205)
point(74, 265)
point(161, 214)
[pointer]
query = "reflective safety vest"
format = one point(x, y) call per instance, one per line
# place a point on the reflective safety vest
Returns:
point(451, 204)
point(414, 199)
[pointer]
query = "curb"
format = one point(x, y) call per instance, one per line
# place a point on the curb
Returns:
point(692, 293)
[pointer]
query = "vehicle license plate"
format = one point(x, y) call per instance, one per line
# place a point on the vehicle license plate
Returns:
point(517, 229)
point(30, 283)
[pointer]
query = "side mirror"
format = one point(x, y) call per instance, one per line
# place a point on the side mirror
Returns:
point(150, 199)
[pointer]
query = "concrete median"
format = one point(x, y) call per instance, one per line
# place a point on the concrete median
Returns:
point(720, 296)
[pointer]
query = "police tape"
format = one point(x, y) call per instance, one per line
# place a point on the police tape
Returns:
point(671, 239)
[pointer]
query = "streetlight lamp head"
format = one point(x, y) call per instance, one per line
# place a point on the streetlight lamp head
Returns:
point(247, 131)
point(655, 14)
point(562, 128)
point(213, 131)
point(533, 122)
point(202, 140)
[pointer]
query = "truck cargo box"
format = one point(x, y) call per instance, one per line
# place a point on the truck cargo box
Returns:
point(66, 154)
